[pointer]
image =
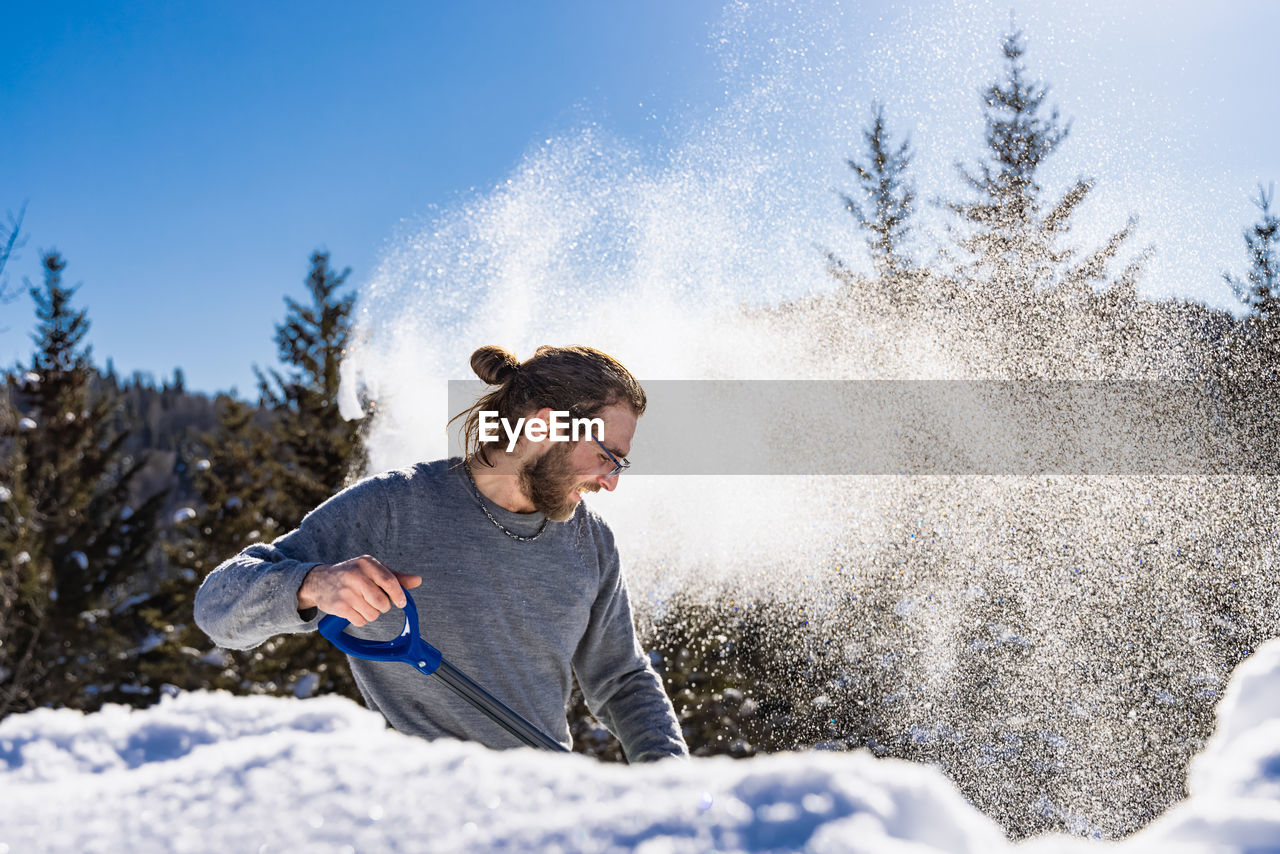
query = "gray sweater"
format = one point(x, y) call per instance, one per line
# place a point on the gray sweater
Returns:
point(514, 616)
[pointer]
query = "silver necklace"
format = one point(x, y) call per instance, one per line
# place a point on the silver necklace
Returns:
point(538, 533)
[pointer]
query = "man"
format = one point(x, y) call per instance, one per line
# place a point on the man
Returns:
point(516, 581)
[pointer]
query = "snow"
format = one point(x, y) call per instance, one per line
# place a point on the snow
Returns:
point(136, 599)
point(306, 686)
point(208, 771)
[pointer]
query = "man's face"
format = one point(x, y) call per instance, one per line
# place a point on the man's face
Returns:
point(555, 480)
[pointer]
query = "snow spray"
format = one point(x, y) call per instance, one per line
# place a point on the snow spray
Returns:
point(1054, 642)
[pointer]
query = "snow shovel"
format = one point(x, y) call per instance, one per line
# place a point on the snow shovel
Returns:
point(410, 648)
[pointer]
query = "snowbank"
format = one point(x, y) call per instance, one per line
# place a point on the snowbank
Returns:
point(212, 772)
point(1234, 784)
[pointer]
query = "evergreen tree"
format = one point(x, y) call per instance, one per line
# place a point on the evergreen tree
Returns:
point(257, 475)
point(1260, 287)
point(10, 241)
point(1023, 287)
point(14, 559)
point(1010, 234)
point(1247, 375)
point(70, 624)
point(321, 453)
point(884, 200)
point(232, 476)
point(318, 453)
point(19, 577)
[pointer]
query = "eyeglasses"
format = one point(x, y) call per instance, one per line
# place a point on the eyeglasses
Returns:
point(619, 465)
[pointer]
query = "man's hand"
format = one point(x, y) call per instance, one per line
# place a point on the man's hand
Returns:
point(357, 590)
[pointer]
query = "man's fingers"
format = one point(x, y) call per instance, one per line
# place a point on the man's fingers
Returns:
point(362, 608)
point(385, 579)
point(388, 582)
point(362, 589)
point(371, 593)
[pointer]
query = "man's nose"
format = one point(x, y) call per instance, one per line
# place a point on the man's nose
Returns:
point(609, 482)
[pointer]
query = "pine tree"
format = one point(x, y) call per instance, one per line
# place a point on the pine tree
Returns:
point(1006, 236)
point(19, 577)
point(1011, 236)
point(1260, 287)
point(257, 475)
point(1021, 277)
point(321, 452)
point(10, 242)
point(1253, 353)
point(232, 475)
point(884, 199)
point(14, 559)
point(70, 624)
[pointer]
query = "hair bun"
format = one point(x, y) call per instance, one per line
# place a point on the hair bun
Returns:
point(493, 364)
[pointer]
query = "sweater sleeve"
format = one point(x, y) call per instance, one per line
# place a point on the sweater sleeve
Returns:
point(617, 680)
point(254, 595)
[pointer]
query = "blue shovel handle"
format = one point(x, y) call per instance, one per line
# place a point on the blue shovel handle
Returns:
point(408, 646)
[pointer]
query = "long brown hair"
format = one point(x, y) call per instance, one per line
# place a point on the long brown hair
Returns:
point(578, 380)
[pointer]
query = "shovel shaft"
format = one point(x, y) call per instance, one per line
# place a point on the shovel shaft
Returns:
point(410, 648)
point(495, 709)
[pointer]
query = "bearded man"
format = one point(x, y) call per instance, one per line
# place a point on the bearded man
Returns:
point(516, 580)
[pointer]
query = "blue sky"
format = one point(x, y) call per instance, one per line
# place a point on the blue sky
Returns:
point(186, 158)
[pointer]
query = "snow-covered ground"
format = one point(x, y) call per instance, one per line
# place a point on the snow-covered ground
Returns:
point(212, 772)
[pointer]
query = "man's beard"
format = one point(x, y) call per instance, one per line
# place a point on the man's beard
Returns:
point(549, 483)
